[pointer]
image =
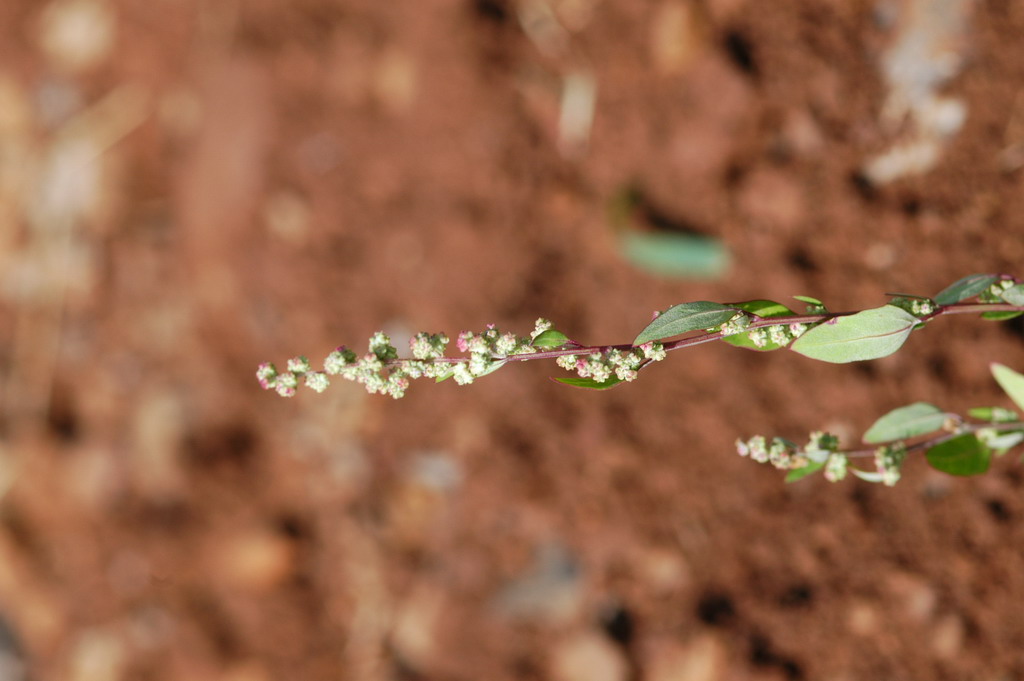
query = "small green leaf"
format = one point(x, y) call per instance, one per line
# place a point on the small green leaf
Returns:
point(906, 422)
point(764, 309)
point(869, 476)
point(1014, 295)
point(590, 383)
point(965, 288)
point(993, 414)
point(870, 334)
point(809, 301)
point(497, 364)
point(678, 319)
point(444, 377)
point(800, 473)
point(550, 339)
point(1010, 381)
point(1004, 441)
point(1001, 315)
point(963, 455)
point(671, 254)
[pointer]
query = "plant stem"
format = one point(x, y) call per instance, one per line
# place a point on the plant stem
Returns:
point(939, 439)
point(573, 348)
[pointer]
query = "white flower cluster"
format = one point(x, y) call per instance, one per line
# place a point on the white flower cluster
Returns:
point(779, 334)
point(921, 308)
point(285, 383)
point(623, 365)
point(381, 371)
point(735, 325)
point(888, 460)
point(783, 454)
point(997, 288)
point(780, 453)
point(994, 293)
point(835, 467)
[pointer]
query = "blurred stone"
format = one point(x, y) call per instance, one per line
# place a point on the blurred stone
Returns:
point(801, 134)
point(97, 655)
point(287, 216)
point(395, 81)
point(12, 658)
point(551, 591)
point(56, 100)
point(702, 659)
point(948, 637)
point(436, 470)
point(158, 428)
point(862, 619)
point(414, 636)
point(246, 671)
point(76, 35)
point(574, 15)
point(677, 36)
point(91, 477)
point(913, 593)
point(588, 656)
point(255, 560)
point(927, 52)
point(15, 109)
point(880, 256)
point(663, 570)
point(412, 511)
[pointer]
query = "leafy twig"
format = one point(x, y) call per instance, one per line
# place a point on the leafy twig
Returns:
point(762, 325)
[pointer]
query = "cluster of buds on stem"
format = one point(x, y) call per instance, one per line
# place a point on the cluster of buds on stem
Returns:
point(380, 370)
point(603, 365)
point(888, 461)
point(820, 450)
point(779, 334)
point(994, 293)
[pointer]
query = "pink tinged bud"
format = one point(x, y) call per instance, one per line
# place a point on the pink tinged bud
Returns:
point(266, 374)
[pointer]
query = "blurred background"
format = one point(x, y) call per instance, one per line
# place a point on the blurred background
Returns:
point(190, 188)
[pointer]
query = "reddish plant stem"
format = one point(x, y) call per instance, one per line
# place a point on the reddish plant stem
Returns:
point(938, 440)
point(574, 348)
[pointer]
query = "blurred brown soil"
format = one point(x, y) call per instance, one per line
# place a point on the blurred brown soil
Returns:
point(190, 188)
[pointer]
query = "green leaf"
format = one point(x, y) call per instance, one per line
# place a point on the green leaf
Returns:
point(869, 476)
point(962, 455)
point(444, 377)
point(1010, 381)
point(814, 306)
point(993, 414)
point(1004, 441)
point(764, 309)
point(590, 383)
point(671, 254)
point(800, 473)
point(870, 334)
point(678, 319)
point(906, 422)
point(1014, 295)
point(550, 339)
point(1001, 315)
point(965, 288)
